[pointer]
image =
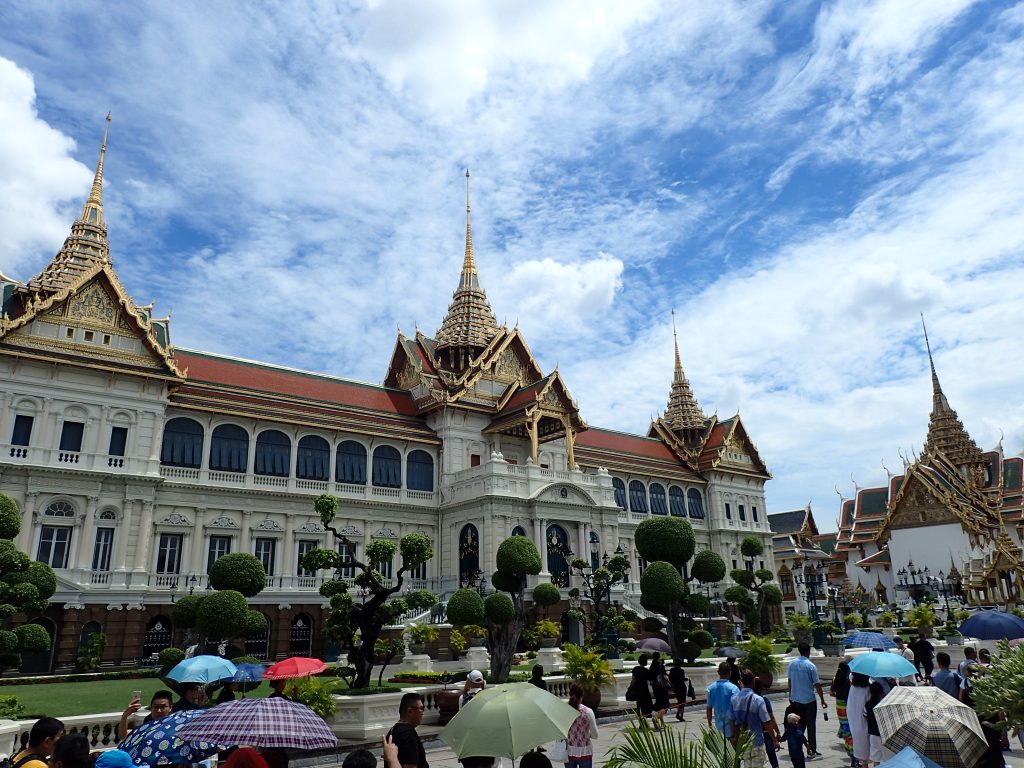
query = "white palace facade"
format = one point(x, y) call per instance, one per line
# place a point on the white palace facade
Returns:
point(136, 464)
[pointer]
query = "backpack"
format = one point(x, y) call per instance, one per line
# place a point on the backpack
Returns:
point(8, 762)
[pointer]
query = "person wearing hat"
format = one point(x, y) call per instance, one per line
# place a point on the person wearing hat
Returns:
point(474, 684)
point(904, 650)
point(114, 758)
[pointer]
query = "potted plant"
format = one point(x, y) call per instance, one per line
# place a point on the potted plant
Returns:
point(420, 635)
point(447, 699)
point(951, 634)
point(922, 618)
point(886, 620)
point(476, 635)
point(456, 644)
point(760, 660)
point(588, 669)
point(853, 621)
point(802, 627)
point(830, 647)
point(548, 632)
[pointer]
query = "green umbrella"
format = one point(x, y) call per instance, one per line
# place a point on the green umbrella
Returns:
point(507, 721)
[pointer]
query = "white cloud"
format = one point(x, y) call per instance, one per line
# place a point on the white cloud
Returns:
point(40, 176)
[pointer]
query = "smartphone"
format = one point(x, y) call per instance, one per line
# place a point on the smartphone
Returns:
point(136, 696)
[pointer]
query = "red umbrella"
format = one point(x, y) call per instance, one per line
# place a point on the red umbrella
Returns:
point(296, 666)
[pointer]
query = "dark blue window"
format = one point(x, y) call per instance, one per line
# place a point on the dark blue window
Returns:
point(313, 458)
point(419, 471)
point(351, 466)
point(469, 555)
point(558, 555)
point(118, 441)
point(637, 496)
point(696, 504)
point(22, 430)
point(387, 467)
point(676, 501)
point(183, 443)
point(519, 531)
point(273, 453)
point(71, 436)
point(620, 492)
point(229, 449)
point(658, 507)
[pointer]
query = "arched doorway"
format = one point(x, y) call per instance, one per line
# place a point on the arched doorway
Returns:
point(41, 662)
point(259, 645)
point(300, 639)
point(559, 554)
point(157, 636)
point(469, 556)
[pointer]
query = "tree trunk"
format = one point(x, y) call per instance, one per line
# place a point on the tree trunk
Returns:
point(504, 640)
point(766, 624)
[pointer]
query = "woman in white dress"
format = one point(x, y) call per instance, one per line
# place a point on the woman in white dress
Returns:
point(856, 700)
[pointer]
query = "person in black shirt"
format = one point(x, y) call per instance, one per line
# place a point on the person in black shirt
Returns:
point(734, 671)
point(410, 749)
point(677, 676)
point(537, 677)
point(279, 686)
point(227, 693)
point(924, 654)
point(189, 693)
point(641, 687)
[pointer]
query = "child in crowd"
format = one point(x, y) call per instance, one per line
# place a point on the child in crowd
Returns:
point(795, 739)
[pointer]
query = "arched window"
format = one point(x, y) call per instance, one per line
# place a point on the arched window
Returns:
point(519, 531)
point(620, 492)
point(419, 471)
point(259, 645)
point(558, 555)
point(157, 636)
point(313, 459)
point(637, 496)
point(273, 453)
point(387, 467)
point(229, 449)
point(469, 555)
point(59, 509)
point(183, 443)
point(89, 629)
point(351, 467)
point(695, 504)
point(676, 501)
point(300, 639)
point(658, 506)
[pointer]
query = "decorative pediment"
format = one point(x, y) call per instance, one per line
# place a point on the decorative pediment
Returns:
point(310, 527)
point(268, 525)
point(176, 519)
point(222, 522)
point(385, 533)
point(564, 493)
point(350, 530)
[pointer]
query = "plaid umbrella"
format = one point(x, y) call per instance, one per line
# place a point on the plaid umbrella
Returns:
point(933, 723)
point(869, 640)
point(264, 723)
point(296, 666)
point(158, 743)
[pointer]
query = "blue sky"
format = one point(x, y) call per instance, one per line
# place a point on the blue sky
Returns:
point(799, 181)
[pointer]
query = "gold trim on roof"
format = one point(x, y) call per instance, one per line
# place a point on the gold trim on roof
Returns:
point(682, 411)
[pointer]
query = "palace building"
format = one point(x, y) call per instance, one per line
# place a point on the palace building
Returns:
point(137, 464)
point(949, 526)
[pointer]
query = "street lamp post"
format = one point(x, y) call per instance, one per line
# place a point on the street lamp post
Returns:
point(939, 582)
point(911, 586)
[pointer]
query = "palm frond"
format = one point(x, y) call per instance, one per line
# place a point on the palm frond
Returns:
point(643, 747)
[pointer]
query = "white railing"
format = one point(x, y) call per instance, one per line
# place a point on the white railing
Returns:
point(319, 486)
point(349, 489)
point(392, 492)
point(100, 729)
point(233, 478)
point(270, 481)
point(425, 495)
point(179, 473)
point(99, 577)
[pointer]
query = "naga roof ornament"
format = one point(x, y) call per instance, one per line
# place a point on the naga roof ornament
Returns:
point(470, 321)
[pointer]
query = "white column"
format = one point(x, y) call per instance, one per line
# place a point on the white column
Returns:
point(543, 548)
point(584, 547)
point(198, 542)
point(144, 542)
point(6, 417)
point(289, 546)
point(245, 542)
point(87, 532)
point(24, 538)
point(121, 536)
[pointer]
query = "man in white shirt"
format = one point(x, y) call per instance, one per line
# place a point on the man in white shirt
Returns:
point(906, 653)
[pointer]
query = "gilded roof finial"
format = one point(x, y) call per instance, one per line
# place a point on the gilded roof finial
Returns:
point(939, 401)
point(470, 279)
point(92, 212)
point(682, 411)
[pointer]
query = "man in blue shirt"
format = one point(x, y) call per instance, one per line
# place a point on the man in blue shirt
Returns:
point(749, 712)
point(803, 683)
point(945, 679)
point(719, 698)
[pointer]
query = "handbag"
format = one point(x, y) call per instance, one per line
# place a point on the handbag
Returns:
point(631, 692)
point(689, 691)
point(559, 751)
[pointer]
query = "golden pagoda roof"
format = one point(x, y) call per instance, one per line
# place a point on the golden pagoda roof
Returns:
point(86, 247)
point(946, 433)
point(682, 411)
point(470, 321)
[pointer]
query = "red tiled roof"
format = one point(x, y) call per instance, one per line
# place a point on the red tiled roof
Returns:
point(619, 442)
point(525, 395)
point(259, 377)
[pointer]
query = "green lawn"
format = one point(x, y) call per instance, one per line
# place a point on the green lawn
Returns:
point(95, 696)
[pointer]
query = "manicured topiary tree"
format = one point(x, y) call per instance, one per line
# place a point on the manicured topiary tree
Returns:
point(383, 605)
point(546, 595)
point(465, 606)
point(25, 587)
point(505, 610)
point(240, 572)
point(603, 617)
point(754, 589)
point(668, 544)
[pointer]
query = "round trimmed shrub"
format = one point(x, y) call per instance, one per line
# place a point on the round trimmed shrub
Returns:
point(751, 547)
point(689, 650)
point(33, 638)
point(10, 518)
point(465, 606)
point(184, 614)
point(670, 539)
point(708, 567)
point(506, 582)
point(517, 555)
point(703, 638)
point(772, 594)
point(498, 608)
point(11, 559)
point(9, 642)
point(171, 657)
point(222, 615)
point(652, 624)
point(240, 572)
point(661, 585)
point(256, 624)
point(546, 595)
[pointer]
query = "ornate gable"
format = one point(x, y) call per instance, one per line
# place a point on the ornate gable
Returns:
point(729, 448)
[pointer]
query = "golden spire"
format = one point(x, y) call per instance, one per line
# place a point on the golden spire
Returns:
point(682, 411)
point(469, 324)
point(946, 432)
point(92, 212)
point(86, 246)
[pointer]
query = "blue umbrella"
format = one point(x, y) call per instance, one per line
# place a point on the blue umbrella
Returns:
point(202, 669)
point(882, 665)
point(869, 640)
point(249, 673)
point(908, 757)
point(157, 743)
point(993, 625)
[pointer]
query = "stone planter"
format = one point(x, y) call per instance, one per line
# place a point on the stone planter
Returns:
point(926, 632)
point(548, 642)
point(954, 639)
point(803, 636)
point(832, 649)
point(477, 642)
point(417, 649)
point(592, 698)
point(766, 678)
point(889, 631)
point(447, 705)
point(364, 717)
